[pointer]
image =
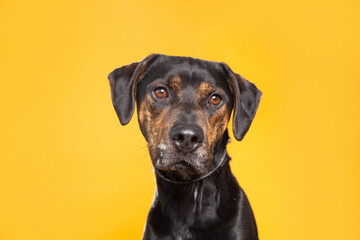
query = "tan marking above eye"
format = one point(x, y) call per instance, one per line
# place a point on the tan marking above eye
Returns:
point(175, 83)
point(204, 89)
point(161, 92)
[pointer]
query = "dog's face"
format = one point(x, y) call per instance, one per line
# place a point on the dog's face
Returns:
point(184, 106)
point(183, 110)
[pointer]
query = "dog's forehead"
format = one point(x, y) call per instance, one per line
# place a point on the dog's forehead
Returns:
point(192, 72)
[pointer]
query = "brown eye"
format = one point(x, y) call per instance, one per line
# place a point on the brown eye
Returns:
point(215, 99)
point(161, 92)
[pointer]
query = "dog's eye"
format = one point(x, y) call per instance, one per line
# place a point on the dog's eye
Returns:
point(215, 99)
point(160, 92)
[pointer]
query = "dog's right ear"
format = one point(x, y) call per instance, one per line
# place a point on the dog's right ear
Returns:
point(123, 83)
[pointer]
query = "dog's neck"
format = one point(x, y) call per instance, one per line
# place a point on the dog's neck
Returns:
point(189, 203)
point(184, 202)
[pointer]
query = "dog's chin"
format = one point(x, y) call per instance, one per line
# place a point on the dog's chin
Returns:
point(179, 173)
point(181, 170)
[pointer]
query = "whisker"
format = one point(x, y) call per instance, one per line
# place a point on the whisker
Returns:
point(137, 149)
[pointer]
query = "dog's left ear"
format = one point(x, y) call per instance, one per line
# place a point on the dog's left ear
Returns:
point(246, 102)
point(123, 82)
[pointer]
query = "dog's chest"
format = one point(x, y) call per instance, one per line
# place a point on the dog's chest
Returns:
point(186, 235)
point(203, 204)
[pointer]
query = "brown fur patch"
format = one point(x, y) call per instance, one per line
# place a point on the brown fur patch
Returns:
point(153, 123)
point(175, 83)
point(203, 90)
point(141, 111)
point(216, 126)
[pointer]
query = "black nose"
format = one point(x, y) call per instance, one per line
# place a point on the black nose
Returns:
point(187, 138)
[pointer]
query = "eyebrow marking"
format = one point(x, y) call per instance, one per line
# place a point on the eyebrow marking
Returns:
point(205, 89)
point(175, 82)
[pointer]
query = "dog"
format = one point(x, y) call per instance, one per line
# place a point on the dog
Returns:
point(184, 105)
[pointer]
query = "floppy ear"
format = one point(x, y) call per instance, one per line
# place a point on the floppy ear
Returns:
point(123, 82)
point(246, 101)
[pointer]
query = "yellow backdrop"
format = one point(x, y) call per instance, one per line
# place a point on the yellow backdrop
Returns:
point(69, 171)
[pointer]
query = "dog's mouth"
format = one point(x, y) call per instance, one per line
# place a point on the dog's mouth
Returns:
point(183, 169)
point(183, 165)
point(180, 171)
point(191, 162)
point(178, 166)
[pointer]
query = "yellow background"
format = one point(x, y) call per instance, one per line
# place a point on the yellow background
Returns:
point(68, 170)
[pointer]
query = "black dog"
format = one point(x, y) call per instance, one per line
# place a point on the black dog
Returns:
point(184, 106)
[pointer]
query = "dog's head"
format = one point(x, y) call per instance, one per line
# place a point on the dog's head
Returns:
point(184, 106)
